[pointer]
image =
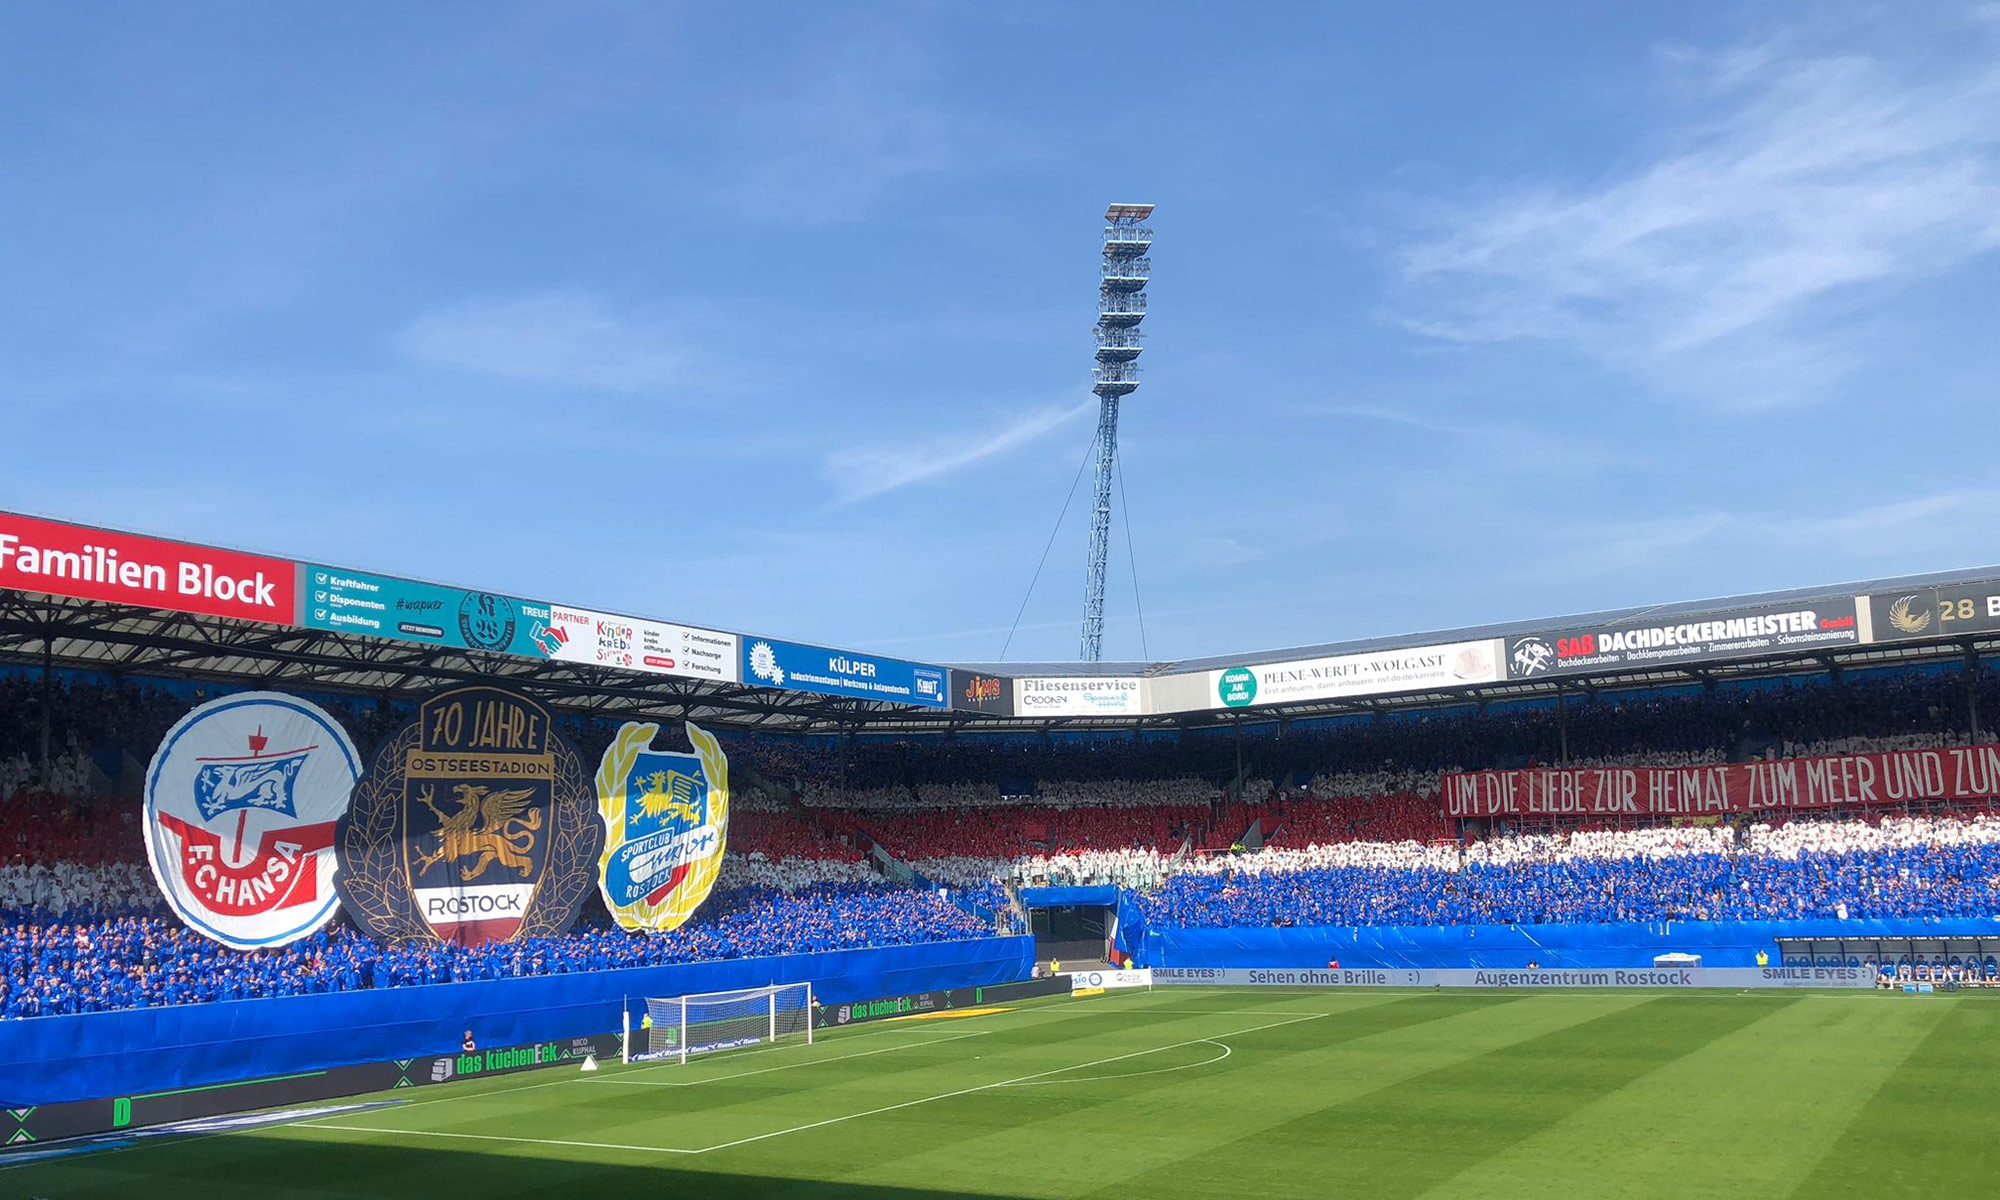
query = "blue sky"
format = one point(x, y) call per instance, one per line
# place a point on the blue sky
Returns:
point(776, 317)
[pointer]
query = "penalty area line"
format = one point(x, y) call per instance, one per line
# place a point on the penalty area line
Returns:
point(987, 1087)
point(493, 1137)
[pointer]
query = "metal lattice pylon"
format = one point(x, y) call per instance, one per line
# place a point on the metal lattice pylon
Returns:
point(1121, 306)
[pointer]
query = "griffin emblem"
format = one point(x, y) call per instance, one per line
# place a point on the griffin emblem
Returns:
point(504, 835)
point(670, 794)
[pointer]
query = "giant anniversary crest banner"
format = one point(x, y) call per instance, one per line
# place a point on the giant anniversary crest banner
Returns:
point(666, 820)
point(242, 798)
point(474, 823)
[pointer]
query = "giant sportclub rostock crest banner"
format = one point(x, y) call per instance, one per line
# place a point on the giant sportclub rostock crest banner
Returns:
point(474, 823)
point(242, 798)
point(666, 820)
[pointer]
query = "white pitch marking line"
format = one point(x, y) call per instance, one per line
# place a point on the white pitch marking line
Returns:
point(1220, 1012)
point(1206, 1062)
point(810, 1062)
point(620, 1068)
point(492, 1137)
point(985, 1087)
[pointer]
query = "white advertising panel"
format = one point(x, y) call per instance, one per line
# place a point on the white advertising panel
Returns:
point(1078, 696)
point(580, 635)
point(1101, 980)
point(1376, 673)
point(1490, 977)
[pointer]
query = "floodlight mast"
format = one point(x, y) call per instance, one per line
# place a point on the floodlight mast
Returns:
point(1121, 306)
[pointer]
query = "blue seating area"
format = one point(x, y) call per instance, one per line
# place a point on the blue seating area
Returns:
point(1927, 881)
point(56, 967)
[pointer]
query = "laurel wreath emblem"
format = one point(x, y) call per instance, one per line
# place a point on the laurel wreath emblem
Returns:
point(672, 911)
point(373, 878)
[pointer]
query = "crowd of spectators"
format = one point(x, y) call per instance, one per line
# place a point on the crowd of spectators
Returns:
point(50, 967)
point(1900, 867)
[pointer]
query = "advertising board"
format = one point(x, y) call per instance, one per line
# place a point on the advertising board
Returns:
point(1486, 977)
point(1835, 780)
point(1934, 612)
point(343, 601)
point(918, 1003)
point(60, 559)
point(829, 1016)
point(972, 691)
point(777, 664)
point(1737, 633)
point(1375, 673)
point(580, 635)
point(1103, 980)
point(23, 1128)
point(1078, 696)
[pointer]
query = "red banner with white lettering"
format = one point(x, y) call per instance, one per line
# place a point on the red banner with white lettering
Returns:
point(1835, 781)
point(124, 568)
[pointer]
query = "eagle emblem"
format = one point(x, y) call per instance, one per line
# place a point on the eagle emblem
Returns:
point(1909, 615)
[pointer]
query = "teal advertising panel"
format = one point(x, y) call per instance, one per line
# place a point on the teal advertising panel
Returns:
point(344, 601)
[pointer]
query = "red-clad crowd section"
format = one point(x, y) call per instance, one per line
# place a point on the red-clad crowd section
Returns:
point(1006, 831)
point(786, 835)
point(1403, 818)
point(38, 827)
point(1012, 830)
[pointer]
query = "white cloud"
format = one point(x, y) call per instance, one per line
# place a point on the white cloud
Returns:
point(567, 339)
point(860, 472)
point(1721, 265)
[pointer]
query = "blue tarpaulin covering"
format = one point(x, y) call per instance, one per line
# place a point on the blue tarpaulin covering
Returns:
point(1720, 943)
point(1063, 897)
point(1131, 935)
point(48, 1059)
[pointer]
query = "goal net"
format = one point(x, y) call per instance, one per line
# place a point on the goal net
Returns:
point(683, 1026)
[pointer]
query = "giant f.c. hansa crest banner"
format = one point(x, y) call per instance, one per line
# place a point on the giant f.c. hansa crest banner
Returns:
point(241, 801)
point(473, 824)
point(666, 819)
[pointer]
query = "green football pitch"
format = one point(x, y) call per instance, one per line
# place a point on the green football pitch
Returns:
point(1185, 1092)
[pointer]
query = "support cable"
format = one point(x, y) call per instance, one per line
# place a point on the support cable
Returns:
point(1125, 509)
point(1046, 548)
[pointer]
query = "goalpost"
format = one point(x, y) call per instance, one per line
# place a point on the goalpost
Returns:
point(682, 1026)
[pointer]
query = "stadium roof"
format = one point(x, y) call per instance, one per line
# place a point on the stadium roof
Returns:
point(273, 633)
point(1613, 616)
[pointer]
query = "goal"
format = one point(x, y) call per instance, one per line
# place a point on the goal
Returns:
point(683, 1026)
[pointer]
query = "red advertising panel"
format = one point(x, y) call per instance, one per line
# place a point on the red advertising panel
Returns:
point(1835, 781)
point(124, 568)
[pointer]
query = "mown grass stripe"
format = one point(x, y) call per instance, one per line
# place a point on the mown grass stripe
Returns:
point(1271, 1078)
point(1767, 1098)
point(1934, 1124)
point(1403, 1139)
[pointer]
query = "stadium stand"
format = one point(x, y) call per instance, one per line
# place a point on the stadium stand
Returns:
point(1335, 822)
point(1902, 867)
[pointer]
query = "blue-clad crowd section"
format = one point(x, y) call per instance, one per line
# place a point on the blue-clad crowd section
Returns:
point(1720, 943)
point(45, 1060)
